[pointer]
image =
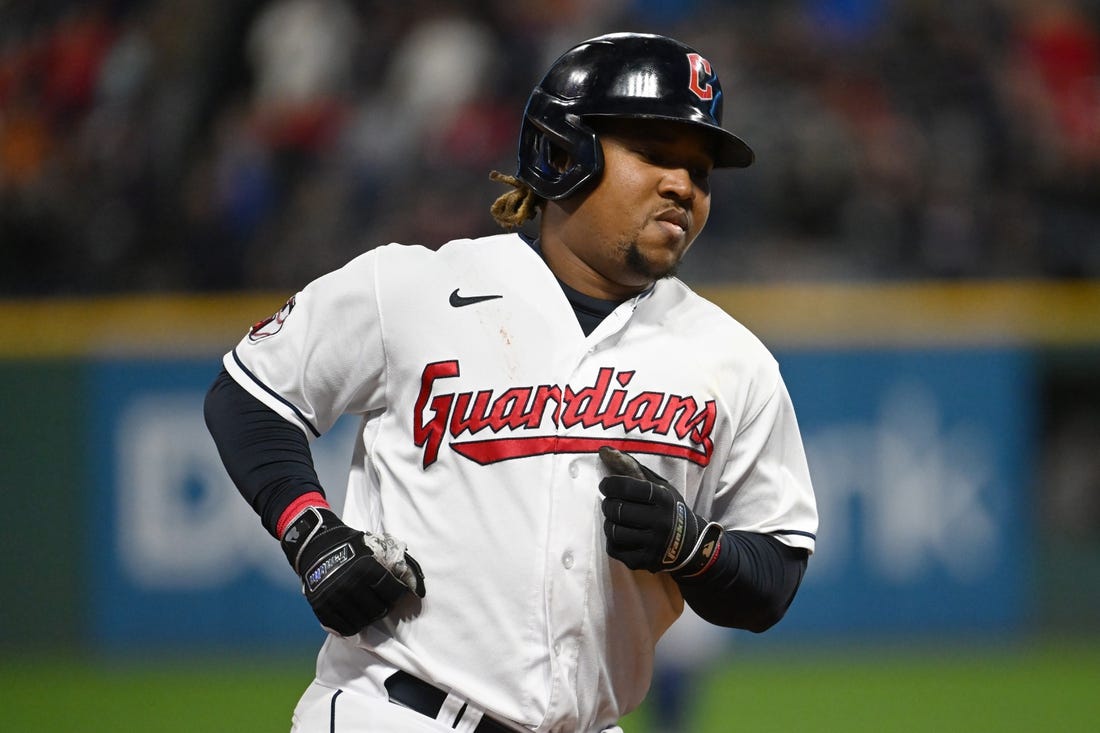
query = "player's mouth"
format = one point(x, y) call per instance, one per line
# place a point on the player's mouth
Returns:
point(675, 221)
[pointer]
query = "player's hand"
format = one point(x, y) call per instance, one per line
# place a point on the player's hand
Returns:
point(350, 578)
point(648, 524)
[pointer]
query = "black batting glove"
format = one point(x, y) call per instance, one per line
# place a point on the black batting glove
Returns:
point(648, 524)
point(350, 578)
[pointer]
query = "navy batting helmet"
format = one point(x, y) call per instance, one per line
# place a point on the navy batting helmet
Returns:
point(617, 75)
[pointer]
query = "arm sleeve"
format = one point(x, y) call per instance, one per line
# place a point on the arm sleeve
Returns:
point(267, 457)
point(751, 583)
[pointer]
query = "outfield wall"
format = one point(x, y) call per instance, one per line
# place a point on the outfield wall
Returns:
point(926, 411)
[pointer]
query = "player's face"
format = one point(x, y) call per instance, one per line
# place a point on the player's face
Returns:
point(635, 225)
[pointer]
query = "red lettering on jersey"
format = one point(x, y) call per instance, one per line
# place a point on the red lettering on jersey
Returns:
point(429, 435)
point(503, 449)
point(473, 419)
point(701, 74)
point(595, 406)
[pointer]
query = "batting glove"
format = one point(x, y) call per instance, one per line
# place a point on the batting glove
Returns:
point(648, 524)
point(350, 578)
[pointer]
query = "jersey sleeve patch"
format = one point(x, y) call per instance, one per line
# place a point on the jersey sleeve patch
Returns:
point(271, 325)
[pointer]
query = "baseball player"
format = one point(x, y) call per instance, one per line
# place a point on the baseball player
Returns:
point(560, 442)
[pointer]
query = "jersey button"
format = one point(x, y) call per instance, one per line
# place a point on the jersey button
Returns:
point(567, 560)
point(574, 469)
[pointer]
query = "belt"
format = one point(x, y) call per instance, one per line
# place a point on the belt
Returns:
point(427, 699)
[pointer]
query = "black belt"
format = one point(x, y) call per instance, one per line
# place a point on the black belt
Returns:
point(427, 699)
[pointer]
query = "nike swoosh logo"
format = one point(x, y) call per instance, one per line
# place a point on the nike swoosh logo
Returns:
point(459, 301)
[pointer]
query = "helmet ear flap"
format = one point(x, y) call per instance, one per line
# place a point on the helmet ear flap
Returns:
point(551, 136)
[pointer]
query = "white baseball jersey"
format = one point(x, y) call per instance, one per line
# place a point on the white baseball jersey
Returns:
point(483, 406)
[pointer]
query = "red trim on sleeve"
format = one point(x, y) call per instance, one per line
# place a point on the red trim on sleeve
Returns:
point(313, 498)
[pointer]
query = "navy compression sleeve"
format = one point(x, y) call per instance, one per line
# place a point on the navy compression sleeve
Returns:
point(267, 457)
point(751, 583)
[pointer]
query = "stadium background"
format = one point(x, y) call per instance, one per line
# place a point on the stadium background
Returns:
point(919, 242)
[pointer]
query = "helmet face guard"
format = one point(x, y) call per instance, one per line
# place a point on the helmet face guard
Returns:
point(622, 75)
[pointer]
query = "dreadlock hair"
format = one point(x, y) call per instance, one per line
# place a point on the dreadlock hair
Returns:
point(513, 208)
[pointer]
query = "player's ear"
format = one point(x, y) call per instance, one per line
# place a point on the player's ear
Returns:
point(559, 158)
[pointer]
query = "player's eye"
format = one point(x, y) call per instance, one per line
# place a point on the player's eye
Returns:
point(648, 154)
point(661, 158)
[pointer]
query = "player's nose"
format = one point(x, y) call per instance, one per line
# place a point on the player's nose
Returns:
point(677, 183)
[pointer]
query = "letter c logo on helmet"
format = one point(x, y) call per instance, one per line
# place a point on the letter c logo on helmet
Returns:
point(701, 75)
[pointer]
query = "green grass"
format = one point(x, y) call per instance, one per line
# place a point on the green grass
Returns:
point(40, 696)
point(1051, 689)
point(1055, 687)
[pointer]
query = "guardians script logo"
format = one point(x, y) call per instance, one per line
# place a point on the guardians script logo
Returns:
point(486, 427)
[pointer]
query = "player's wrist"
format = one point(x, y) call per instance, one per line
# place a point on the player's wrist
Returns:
point(295, 509)
point(704, 554)
point(310, 523)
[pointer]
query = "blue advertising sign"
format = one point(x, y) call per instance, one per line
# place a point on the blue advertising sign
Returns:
point(920, 460)
point(177, 556)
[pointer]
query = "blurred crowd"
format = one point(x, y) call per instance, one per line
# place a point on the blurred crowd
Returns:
point(149, 145)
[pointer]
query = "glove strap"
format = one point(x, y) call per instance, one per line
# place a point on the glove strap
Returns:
point(703, 554)
point(301, 530)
